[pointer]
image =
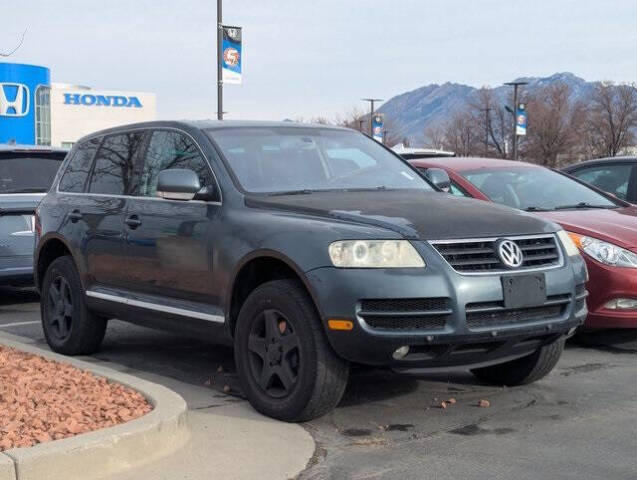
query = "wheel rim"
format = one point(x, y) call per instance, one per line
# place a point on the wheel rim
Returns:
point(274, 353)
point(60, 317)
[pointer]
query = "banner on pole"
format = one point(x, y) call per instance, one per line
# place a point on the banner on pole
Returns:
point(520, 120)
point(377, 127)
point(231, 55)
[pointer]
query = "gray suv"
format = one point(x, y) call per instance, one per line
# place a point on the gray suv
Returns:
point(26, 174)
point(306, 247)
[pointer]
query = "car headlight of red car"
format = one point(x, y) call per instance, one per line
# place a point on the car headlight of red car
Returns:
point(605, 252)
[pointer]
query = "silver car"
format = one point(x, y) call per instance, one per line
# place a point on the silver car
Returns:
point(26, 174)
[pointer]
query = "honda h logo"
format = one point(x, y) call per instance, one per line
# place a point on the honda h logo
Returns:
point(510, 254)
point(14, 100)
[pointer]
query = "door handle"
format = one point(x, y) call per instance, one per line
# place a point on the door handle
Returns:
point(75, 215)
point(133, 221)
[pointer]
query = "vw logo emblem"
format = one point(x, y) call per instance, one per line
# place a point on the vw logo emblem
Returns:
point(510, 254)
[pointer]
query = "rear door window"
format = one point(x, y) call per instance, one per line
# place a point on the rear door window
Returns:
point(169, 149)
point(114, 163)
point(613, 178)
point(79, 167)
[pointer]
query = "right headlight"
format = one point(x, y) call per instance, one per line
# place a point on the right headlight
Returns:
point(605, 252)
point(374, 254)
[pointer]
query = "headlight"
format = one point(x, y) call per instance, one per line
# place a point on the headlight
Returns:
point(374, 254)
point(605, 252)
point(568, 243)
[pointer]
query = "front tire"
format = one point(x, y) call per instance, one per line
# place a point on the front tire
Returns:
point(285, 364)
point(69, 326)
point(523, 370)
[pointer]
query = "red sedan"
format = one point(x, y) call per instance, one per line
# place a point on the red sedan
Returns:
point(601, 225)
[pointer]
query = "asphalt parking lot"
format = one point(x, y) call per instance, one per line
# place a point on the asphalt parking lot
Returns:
point(580, 422)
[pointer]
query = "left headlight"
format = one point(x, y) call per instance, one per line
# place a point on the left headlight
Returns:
point(605, 252)
point(374, 254)
point(568, 243)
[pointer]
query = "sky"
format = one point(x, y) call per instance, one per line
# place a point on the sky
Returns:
point(308, 58)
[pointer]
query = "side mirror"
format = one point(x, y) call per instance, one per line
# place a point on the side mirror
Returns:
point(178, 184)
point(439, 178)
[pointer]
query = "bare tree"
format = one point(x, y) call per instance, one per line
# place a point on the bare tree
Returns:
point(353, 118)
point(15, 49)
point(491, 121)
point(555, 125)
point(612, 116)
point(461, 135)
point(434, 136)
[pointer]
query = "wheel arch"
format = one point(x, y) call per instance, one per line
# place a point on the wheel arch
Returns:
point(255, 269)
point(50, 248)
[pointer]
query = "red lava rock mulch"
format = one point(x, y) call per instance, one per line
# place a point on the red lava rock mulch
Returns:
point(43, 400)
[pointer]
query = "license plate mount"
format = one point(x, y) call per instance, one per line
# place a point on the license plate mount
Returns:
point(522, 291)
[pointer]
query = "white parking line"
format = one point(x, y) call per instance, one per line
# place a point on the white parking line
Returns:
point(17, 324)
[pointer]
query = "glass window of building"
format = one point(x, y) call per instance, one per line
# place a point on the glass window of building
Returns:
point(43, 115)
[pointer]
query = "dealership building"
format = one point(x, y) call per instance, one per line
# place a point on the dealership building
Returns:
point(35, 111)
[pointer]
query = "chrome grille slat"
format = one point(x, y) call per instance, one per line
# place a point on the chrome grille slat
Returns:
point(478, 256)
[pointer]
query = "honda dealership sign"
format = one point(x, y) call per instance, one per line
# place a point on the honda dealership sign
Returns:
point(14, 99)
point(231, 55)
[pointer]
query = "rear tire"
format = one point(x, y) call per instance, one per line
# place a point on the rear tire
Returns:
point(69, 326)
point(285, 364)
point(523, 370)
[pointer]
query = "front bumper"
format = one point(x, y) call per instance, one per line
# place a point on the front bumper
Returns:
point(339, 293)
point(607, 283)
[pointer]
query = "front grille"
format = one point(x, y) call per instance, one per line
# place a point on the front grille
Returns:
point(489, 314)
point(480, 256)
point(405, 314)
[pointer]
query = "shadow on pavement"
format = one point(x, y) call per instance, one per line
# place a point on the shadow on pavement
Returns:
point(12, 295)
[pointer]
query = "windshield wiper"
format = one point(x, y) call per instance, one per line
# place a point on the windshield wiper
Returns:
point(536, 209)
point(293, 192)
point(583, 205)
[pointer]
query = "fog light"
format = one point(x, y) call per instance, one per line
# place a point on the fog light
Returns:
point(621, 304)
point(401, 352)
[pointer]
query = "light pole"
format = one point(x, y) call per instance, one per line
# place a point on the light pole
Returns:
point(371, 111)
point(487, 119)
point(515, 108)
point(219, 60)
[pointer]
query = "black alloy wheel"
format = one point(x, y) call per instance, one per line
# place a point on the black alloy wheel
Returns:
point(60, 318)
point(275, 355)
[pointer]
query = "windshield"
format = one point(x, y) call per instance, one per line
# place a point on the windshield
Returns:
point(535, 189)
point(296, 159)
point(28, 173)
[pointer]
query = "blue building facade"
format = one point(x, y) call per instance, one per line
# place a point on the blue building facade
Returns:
point(25, 104)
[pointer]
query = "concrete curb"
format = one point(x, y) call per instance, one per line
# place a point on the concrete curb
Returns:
point(101, 453)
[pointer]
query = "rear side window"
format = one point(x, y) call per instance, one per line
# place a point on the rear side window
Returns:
point(610, 178)
point(170, 149)
point(113, 170)
point(79, 166)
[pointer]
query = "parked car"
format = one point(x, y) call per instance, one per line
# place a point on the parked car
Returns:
point(307, 247)
point(603, 227)
point(26, 173)
point(616, 175)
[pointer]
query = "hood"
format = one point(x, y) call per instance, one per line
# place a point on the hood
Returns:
point(19, 202)
point(415, 214)
point(618, 226)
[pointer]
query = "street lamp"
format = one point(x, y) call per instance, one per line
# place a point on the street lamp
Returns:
point(371, 111)
point(515, 107)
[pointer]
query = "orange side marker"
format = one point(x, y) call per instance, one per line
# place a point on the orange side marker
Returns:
point(340, 324)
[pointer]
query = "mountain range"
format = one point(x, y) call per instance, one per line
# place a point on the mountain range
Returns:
point(410, 113)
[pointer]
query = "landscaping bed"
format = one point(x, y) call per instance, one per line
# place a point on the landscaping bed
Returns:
point(43, 400)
